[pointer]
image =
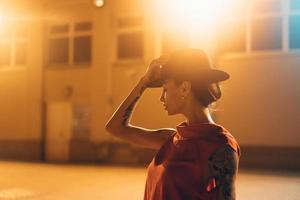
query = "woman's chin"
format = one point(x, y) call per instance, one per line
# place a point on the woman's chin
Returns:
point(169, 112)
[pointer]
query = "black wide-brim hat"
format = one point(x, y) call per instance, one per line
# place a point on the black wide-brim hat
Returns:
point(191, 65)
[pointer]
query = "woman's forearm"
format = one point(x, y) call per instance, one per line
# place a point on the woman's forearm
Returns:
point(121, 117)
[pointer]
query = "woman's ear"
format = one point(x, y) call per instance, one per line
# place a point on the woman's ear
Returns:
point(185, 88)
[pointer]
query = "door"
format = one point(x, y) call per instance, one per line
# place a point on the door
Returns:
point(58, 130)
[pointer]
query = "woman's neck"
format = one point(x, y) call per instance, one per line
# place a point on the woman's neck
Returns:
point(196, 113)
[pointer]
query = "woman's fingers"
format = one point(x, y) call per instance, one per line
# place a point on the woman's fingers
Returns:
point(154, 63)
point(153, 72)
point(163, 59)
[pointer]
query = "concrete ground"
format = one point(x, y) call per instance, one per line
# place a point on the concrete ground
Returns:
point(39, 181)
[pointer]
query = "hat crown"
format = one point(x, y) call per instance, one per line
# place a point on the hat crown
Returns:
point(187, 64)
point(189, 58)
point(191, 65)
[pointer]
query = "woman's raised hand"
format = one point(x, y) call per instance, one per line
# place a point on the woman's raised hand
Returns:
point(152, 76)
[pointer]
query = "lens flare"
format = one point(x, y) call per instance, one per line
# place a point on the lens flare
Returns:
point(194, 12)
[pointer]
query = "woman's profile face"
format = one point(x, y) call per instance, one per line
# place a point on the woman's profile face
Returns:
point(171, 97)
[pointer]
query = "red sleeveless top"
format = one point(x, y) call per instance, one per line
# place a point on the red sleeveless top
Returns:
point(179, 169)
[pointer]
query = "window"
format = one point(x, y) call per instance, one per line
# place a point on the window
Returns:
point(13, 45)
point(130, 38)
point(294, 25)
point(266, 34)
point(58, 50)
point(59, 44)
point(271, 25)
point(294, 32)
point(70, 44)
point(82, 49)
point(295, 5)
point(5, 54)
point(266, 25)
point(83, 26)
point(60, 29)
point(266, 6)
point(262, 29)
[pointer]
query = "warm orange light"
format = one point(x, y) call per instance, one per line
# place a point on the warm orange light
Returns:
point(99, 3)
point(204, 13)
point(2, 24)
point(200, 20)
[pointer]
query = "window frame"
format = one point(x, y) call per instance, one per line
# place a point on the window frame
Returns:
point(127, 30)
point(12, 39)
point(284, 15)
point(71, 34)
point(289, 14)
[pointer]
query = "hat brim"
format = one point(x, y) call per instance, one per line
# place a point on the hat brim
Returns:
point(207, 76)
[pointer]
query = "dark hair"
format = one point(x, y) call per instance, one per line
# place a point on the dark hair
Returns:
point(206, 94)
point(193, 65)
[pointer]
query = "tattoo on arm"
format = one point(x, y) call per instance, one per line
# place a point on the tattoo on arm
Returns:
point(223, 165)
point(129, 109)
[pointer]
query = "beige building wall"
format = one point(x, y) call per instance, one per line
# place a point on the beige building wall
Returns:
point(260, 102)
point(80, 86)
point(21, 88)
point(126, 74)
point(103, 85)
point(260, 106)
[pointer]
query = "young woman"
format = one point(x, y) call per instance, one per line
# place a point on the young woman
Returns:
point(197, 160)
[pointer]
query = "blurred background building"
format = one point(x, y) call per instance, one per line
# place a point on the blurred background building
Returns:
point(65, 66)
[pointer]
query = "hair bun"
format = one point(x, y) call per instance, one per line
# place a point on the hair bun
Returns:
point(215, 90)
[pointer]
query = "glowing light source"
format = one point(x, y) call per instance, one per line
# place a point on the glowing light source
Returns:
point(199, 20)
point(2, 24)
point(191, 12)
point(99, 3)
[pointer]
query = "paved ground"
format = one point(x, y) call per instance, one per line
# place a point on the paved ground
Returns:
point(38, 181)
